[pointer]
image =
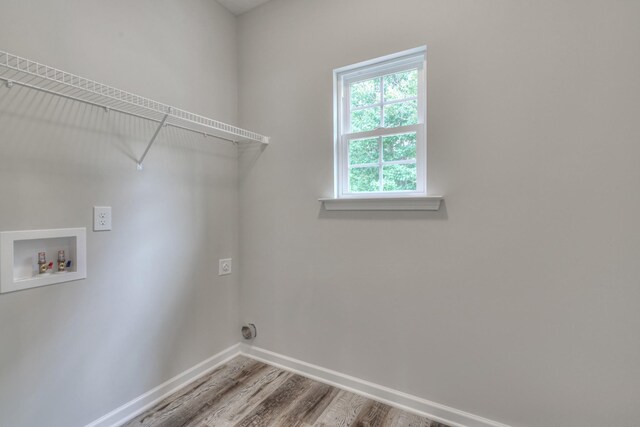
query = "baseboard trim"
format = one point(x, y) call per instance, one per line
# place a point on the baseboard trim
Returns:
point(407, 402)
point(141, 403)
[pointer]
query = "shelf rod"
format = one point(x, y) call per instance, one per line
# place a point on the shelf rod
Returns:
point(153, 139)
point(107, 108)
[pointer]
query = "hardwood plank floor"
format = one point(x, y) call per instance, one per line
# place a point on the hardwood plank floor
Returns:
point(245, 392)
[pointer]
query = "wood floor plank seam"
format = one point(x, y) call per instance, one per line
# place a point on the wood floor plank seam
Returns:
point(248, 393)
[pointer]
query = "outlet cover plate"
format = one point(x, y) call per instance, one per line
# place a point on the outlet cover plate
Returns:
point(101, 218)
point(224, 267)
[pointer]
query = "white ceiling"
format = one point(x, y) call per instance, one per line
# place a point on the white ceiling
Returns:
point(241, 6)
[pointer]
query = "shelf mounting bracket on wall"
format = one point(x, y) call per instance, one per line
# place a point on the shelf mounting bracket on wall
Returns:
point(15, 70)
point(153, 138)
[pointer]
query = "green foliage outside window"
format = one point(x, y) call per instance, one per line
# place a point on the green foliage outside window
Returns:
point(364, 179)
point(365, 120)
point(399, 147)
point(401, 85)
point(399, 177)
point(401, 114)
point(374, 103)
point(395, 177)
point(365, 93)
point(395, 87)
point(364, 151)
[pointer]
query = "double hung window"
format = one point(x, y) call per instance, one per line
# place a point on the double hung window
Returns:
point(380, 148)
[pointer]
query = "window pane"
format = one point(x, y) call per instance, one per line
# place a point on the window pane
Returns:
point(401, 114)
point(401, 85)
point(366, 92)
point(362, 151)
point(399, 177)
point(363, 180)
point(366, 119)
point(399, 147)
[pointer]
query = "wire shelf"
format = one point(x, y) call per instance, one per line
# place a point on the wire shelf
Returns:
point(24, 72)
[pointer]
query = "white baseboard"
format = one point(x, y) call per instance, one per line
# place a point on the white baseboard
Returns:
point(141, 403)
point(407, 402)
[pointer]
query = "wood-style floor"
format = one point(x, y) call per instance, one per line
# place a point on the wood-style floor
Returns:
point(245, 392)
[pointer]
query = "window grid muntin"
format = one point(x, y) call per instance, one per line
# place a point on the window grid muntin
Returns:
point(379, 104)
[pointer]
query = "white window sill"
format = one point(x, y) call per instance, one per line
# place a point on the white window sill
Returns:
point(430, 203)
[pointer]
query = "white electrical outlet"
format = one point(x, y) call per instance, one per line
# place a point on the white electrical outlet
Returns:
point(224, 267)
point(101, 218)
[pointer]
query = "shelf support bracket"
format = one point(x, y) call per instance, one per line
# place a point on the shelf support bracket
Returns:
point(9, 84)
point(153, 139)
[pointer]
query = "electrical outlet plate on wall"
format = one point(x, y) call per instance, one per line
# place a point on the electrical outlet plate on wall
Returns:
point(101, 218)
point(224, 267)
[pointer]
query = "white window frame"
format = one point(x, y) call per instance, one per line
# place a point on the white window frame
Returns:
point(343, 77)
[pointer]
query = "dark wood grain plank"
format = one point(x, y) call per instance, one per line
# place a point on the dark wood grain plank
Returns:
point(343, 410)
point(308, 408)
point(373, 414)
point(199, 396)
point(272, 408)
point(237, 405)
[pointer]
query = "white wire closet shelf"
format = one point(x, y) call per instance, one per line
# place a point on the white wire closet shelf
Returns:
point(15, 70)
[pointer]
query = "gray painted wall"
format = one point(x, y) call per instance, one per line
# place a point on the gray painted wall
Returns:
point(519, 301)
point(152, 305)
